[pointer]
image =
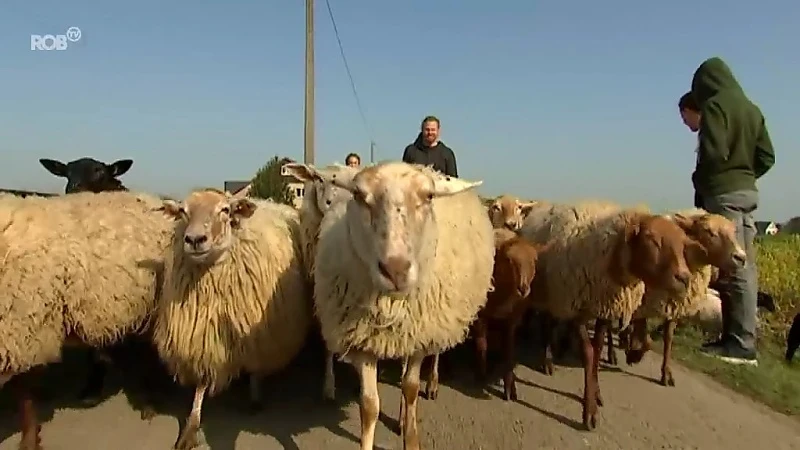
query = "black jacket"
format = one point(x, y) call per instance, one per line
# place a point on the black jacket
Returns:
point(440, 156)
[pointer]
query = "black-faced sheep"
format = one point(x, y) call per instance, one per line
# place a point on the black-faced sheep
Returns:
point(235, 295)
point(79, 268)
point(88, 174)
point(599, 259)
point(401, 272)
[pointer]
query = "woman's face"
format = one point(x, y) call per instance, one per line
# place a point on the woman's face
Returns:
point(352, 162)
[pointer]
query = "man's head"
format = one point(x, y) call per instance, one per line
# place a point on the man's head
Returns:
point(430, 130)
point(353, 160)
point(690, 112)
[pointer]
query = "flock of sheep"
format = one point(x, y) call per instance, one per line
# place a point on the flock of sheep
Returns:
point(391, 261)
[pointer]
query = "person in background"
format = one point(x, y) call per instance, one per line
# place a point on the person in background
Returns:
point(690, 114)
point(353, 160)
point(734, 150)
point(427, 149)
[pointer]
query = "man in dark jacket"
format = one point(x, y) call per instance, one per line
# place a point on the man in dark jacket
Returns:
point(427, 149)
point(690, 114)
point(734, 150)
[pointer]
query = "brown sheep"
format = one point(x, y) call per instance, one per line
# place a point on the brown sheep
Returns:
point(508, 212)
point(514, 269)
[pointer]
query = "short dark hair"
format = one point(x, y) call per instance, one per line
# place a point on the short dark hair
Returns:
point(352, 155)
point(687, 101)
point(430, 119)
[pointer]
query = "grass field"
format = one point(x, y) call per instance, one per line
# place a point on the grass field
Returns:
point(773, 382)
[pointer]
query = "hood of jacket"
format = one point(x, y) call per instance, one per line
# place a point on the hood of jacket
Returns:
point(712, 77)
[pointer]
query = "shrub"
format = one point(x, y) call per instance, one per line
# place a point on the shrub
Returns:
point(269, 183)
point(778, 262)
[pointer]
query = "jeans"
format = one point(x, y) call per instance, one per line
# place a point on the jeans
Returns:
point(741, 285)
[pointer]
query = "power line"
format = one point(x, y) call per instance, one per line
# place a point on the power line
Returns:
point(350, 75)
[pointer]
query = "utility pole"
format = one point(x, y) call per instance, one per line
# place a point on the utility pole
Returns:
point(308, 144)
point(372, 152)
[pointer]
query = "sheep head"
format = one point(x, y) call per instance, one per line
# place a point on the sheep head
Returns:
point(717, 235)
point(518, 257)
point(508, 211)
point(319, 190)
point(207, 219)
point(88, 174)
point(655, 250)
point(391, 222)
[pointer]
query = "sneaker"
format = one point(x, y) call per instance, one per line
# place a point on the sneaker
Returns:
point(714, 343)
point(733, 354)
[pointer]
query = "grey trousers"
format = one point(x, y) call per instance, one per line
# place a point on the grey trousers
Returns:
point(739, 306)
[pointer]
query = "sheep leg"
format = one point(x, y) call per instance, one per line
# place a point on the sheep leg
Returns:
point(367, 367)
point(509, 379)
point(91, 394)
point(548, 336)
point(481, 346)
point(254, 400)
point(612, 354)
point(29, 425)
point(666, 371)
point(432, 386)
point(190, 436)
point(601, 327)
point(329, 386)
point(408, 403)
point(589, 388)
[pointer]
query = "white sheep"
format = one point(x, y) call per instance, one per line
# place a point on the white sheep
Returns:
point(79, 268)
point(599, 259)
point(235, 295)
point(720, 249)
point(320, 196)
point(401, 272)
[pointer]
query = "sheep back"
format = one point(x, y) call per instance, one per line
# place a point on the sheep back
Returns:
point(574, 268)
point(435, 316)
point(82, 264)
point(249, 312)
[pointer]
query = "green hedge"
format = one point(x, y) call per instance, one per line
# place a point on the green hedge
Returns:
point(778, 275)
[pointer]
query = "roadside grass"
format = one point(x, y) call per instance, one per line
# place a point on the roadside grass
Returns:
point(773, 382)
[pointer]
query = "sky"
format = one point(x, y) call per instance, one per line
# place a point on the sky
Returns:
point(558, 100)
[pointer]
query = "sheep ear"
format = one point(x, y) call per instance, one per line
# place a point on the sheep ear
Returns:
point(447, 185)
point(243, 208)
point(57, 168)
point(342, 181)
point(301, 172)
point(118, 168)
point(696, 255)
point(686, 223)
point(527, 206)
point(171, 208)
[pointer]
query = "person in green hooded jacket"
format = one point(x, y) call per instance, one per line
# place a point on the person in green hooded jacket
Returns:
point(734, 150)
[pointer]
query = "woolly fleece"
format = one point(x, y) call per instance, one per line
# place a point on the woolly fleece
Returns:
point(574, 270)
point(247, 312)
point(436, 315)
point(83, 264)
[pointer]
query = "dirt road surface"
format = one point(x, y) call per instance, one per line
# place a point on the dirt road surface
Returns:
point(697, 414)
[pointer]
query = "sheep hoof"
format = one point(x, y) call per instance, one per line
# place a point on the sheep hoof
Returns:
point(147, 413)
point(667, 381)
point(599, 399)
point(431, 392)
point(190, 438)
point(510, 395)
point(589, 421)
point(548, 368)
point(31, 441)
point(612, 358)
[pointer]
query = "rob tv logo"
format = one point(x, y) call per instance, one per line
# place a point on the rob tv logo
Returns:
point(57, 41)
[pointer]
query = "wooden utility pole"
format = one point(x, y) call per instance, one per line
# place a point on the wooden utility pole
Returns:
point(308, 145)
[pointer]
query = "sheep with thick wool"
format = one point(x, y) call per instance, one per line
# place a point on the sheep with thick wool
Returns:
point(320, 196)
point(235, 295)
point(76, 268)
point(599, 259)
point(720, 250)
point(401, 272)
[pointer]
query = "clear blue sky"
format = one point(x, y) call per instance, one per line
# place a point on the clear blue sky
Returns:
point(544, 99)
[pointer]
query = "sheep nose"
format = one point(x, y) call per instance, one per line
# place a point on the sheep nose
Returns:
point(523, 290)
point(194, 239)
point(683, 278)
point(740, 258)
point(328, 202)
point(395, 269)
